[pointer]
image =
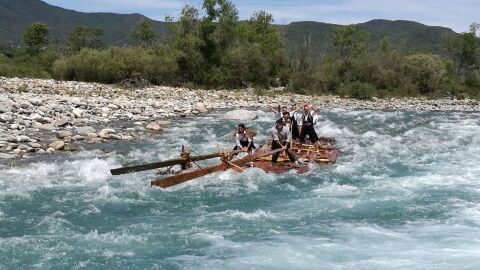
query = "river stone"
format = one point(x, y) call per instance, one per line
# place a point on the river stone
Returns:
point(46, 127)
point(64, 134)
point(6, 118)
point(6, 156)
point(25, 105)
point(36, 117)
point(36, 102)
point(60, 122)
point(70, 148)
point(23, 138)
point(241, 115)
point(35, 145)
point(117, 137)
point(78, 138)
point(154, 126)
point(201, 108)
point(12, 140)
point(91, 140)
point(84, 130)
point(92, 135)
point(57, 145)
point(78, 113)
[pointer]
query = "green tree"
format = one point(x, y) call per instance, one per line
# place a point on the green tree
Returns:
point(186, 45)
point(84, 37)
point(464, 50)
point(144, 33)
point(385, 45)
point(350, 41)
point(218, 29)
point(36, 37)
point(427, 72)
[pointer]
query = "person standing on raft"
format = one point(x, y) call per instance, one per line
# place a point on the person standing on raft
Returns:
point(307, 125)
point(244, 141)
point(281, 140)
point(293, 120)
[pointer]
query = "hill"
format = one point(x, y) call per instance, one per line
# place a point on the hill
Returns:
point(15, 16)
point(403, 35)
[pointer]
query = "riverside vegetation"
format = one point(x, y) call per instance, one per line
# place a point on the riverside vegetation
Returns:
point(217, 50)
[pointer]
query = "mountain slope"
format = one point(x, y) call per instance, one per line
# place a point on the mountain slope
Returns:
point(16, 15)
point(403, 35)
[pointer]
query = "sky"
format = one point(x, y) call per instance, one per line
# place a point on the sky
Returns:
point(455, 14)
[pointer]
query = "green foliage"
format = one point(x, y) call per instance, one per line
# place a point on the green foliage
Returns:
point(427, 72)
point(385, 45)
point(116, 64)
point(36, 37)
point(216, 50)
point(358, 90)
point(144, 33)
point(83, 37)
point(22, 64)
point(350, 41)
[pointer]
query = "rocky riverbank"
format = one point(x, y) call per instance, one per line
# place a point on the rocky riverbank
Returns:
point(44, 116)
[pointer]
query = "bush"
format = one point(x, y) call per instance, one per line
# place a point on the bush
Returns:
point(358, 90)
point(23, 65)
point(427, 72)
point(117, 64)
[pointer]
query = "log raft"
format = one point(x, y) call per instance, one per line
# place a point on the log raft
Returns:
point(324, 151)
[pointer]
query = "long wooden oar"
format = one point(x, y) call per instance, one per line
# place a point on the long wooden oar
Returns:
point(163, 164)
point(184, 177)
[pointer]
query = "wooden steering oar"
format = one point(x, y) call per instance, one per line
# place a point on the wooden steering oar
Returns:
point(166, 163)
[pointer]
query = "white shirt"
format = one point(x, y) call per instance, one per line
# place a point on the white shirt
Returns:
point(243, 137)
point(282, 136)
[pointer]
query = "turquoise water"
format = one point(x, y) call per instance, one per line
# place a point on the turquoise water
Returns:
point(405, 194)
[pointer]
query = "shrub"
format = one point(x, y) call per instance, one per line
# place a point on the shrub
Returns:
point(358, 90)
point(427, 72)
point(116, 64)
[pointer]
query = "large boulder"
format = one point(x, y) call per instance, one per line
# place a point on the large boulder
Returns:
point(241, 115)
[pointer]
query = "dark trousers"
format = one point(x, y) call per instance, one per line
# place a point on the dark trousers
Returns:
point(295, 130)
point(310, 131)
point(276, 145)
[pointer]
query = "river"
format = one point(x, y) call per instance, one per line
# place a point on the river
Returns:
point(404, 194)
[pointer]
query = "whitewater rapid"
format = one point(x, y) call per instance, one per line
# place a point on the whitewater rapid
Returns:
point(404, 194)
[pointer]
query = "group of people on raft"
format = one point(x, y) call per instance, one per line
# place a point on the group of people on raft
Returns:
point(290, 125)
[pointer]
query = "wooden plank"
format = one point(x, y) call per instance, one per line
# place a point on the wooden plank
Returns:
point(163, 164)
point(184, 177)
